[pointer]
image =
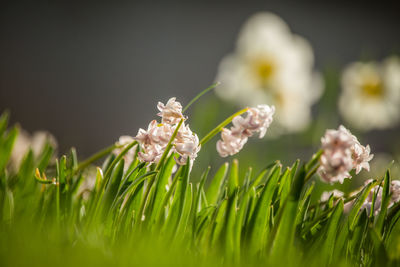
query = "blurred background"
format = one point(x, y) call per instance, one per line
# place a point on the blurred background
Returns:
point(89, 72)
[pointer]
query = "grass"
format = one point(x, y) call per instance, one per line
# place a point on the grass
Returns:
point(145, 215)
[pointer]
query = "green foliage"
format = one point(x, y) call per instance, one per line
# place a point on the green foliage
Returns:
point(154, 215)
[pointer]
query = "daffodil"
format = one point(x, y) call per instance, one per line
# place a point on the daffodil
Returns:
point(26, 141)
point(370, 97)
point(272, 65)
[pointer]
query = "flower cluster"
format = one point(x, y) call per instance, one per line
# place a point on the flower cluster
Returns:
point(272, 65)
point(154, 140)
point(257, 121)
point(394, 198)
point(342, 152)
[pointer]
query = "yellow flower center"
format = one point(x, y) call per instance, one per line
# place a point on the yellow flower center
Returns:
point(264, 69)
point(373, 89)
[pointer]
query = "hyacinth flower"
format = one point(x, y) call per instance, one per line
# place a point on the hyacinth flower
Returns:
point(186, 144)
point(341, 153)
point(258, 120)
point(173, 135)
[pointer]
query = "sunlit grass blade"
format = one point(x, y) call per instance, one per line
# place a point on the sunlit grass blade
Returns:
point(216, 187)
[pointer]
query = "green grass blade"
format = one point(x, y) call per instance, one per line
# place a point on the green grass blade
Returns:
point(6, 146)
point(258, 226)
point(384, 204)
point(216, 187)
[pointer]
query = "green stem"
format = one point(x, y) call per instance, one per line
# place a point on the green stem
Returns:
point(98, 196)
point(315, 158)
point(119, 157)
point(169, 146)
point(95, 157)
point(200, 95)
point(311, 173)
point(58, 200)
point(220, 126)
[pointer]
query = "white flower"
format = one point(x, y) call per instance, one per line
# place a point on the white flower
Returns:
point(153, 141)
point(272, 65)
point(359, 153)
point(230, 143)
point(361, 156)
point(342, 153)
point(257, 120)
point(186, 144)
point(370, 96)
point(327, 194)
point(88, 183)
point(25, 141)
point(171, 113)
point(123, 141)
point(394, 190)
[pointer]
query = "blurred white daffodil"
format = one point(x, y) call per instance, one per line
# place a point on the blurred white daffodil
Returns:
point(370, 96)
point(25, 141)
point(272, 65)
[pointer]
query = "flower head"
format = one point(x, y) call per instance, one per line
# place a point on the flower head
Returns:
point(327, 194)
point(186, 144)
point(342, 153)
point(257, 121)
point(394, 190)
point(370, 97)
point(153, 141)
point(230, 143)
point(272, 65)
point(171, 113)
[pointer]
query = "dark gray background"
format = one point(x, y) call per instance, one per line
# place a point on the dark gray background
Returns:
point(89, 72)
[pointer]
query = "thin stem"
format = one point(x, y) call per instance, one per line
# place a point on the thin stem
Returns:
point(200, 95)
point(311, 173)
point(57, 184)
point(220, 126)
point(315, 158)
point(119, 157)
point(95, 157)
point(169, 146)
point(104, 182)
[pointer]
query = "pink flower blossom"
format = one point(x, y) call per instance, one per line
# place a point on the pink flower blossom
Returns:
point(257, 121)
point(342, 153)
point(171, 113)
